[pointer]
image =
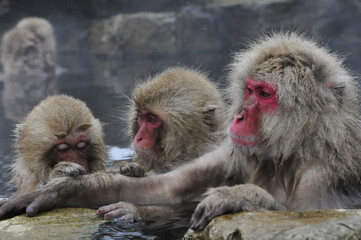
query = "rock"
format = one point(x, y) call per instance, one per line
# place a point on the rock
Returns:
point(139, 33)
point(316, 224)
point(64, 223)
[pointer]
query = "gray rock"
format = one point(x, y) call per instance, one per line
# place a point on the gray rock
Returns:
point(316, 224)
point(139, 33)
point(64, 223)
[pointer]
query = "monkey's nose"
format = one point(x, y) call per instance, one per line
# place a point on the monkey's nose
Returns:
point(239, 117)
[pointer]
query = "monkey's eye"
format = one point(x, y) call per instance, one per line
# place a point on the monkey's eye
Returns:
point(249, 91)
point(62, 147)
point(153, 119)
point(265, 94)
point(81, 145)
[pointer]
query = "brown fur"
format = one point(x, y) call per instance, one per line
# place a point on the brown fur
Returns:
point(307, 157)
point(54, 117)
point(193, 113)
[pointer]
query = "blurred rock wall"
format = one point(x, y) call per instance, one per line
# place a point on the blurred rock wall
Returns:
point(114, 43)
point(106, 46)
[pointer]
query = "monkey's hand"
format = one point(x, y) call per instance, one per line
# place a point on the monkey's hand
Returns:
point(221, 200)
point(131, 169)
point(122, 211)
point(27, 203)
point(2, 202)
point(63, 169)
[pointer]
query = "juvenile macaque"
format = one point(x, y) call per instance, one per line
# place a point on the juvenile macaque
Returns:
point(294, 143)
point(59, 137)
point(28, 59)
point(173, 118)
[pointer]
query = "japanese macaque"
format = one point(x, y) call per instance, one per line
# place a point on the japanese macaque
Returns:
point(28, 59)
point(173, 118)
point(29, 48)
point(294, 143)
point(59, 137)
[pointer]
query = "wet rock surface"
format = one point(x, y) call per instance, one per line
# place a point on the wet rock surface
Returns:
point(316, 224)
point(64, 223)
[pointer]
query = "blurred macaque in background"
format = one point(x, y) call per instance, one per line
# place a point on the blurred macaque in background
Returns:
point(28, 57)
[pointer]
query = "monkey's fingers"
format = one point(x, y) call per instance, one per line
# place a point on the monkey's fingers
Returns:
point(2, 202)
point(108, 208)
point(42, 203)
point(197, 220)
point(117, 213)
point(15, 206)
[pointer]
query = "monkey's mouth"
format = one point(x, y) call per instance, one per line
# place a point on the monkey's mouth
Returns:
point(243, 141)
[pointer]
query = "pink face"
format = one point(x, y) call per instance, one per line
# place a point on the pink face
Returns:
point(144, 141)
point(260, 98)
point(73, 149)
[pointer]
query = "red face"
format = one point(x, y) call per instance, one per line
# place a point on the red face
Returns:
point(73, 149)
point(260, 98)
point(144, 141)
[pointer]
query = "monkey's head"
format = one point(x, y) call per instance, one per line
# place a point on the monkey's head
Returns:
point(61, 128)
point(172, 115)
point(42, 29)
point(292, 98)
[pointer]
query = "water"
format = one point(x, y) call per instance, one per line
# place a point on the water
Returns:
point(170, 226)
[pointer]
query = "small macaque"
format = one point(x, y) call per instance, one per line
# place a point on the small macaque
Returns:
point(28, 58)
point(59, 137)
point(174, 117)
point(294, 143)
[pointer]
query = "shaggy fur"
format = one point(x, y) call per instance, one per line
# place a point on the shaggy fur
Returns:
point(317, 123)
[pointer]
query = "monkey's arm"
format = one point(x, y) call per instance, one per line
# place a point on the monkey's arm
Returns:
point(184, 184)
point(221, 200)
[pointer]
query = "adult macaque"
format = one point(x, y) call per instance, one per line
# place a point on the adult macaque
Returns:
point(28, 59)
point(173, 118)
point(59, 137)
point(294, 143)
point(29, 48)
point(43, 31)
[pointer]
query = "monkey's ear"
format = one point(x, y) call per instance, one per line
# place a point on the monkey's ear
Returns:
point(209, 116)
point(337, 90)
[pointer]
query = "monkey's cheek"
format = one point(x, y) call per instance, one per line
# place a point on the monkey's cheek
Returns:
point(241, 141)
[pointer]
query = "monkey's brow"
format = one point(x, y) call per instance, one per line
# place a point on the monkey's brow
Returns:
point(60, 135)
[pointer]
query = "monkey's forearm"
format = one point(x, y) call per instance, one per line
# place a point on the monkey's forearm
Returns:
point(184, 184)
